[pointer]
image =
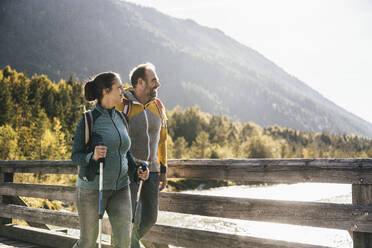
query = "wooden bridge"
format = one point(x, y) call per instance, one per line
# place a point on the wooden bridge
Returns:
point(355, 217)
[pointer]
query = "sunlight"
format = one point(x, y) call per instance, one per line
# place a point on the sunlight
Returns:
point(290, 192)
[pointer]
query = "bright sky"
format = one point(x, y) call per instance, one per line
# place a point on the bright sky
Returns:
point(325, 43)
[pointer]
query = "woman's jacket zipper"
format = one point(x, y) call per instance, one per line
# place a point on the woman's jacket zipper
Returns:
point(119, 152)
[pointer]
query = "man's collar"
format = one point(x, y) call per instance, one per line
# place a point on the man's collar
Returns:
point(129, 94)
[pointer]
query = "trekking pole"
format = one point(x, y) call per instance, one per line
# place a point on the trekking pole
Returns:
point(100, 204)
point(143, 166)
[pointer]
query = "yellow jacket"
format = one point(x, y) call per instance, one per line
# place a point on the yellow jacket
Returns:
point(147, 130)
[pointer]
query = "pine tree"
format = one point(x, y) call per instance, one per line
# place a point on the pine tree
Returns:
point(201, 147)
point(5, 99)
point(262, 147)
point(8, 143)
point(180, 148)
point(63, 150)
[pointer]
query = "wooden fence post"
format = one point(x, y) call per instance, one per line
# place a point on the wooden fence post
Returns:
point(4, 178)
point(362, 194)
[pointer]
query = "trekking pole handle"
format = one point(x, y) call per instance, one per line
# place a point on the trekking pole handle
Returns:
point(144, 165)
point(101, 159)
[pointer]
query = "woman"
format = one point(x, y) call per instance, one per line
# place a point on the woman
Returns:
point(110, 129)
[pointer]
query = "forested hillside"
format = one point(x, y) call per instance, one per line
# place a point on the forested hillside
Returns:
point(38, 119)
point(197, 65)
point(37, 116)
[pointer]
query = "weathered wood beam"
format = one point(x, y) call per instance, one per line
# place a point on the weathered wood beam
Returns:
point(353, 171)
point(5, 178)
point(162, 234)
point(45, 216)
point(18, 201)
point(357, 171)
point(38, 166)
point(40, 215)
point(11, 243)
point(328, 215)
point(51, 192)
point(44, 238)
point(198, 238)
point(362, 194)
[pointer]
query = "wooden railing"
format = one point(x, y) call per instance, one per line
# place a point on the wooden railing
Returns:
point(355, 217)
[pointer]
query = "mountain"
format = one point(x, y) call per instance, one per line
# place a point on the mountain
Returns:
point(196, 64)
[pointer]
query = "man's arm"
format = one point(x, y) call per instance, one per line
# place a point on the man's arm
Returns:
point(162, 157)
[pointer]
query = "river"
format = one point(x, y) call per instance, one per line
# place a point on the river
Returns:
point(320, 192)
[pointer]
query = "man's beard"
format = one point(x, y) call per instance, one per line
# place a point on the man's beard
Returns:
point(153, 92)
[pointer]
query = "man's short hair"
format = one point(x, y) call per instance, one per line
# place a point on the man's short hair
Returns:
point(140, 72)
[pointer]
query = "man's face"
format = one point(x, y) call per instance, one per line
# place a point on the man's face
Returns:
point(151, 84)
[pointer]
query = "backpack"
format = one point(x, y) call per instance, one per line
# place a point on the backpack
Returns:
point(128, 106)
point(92, 169)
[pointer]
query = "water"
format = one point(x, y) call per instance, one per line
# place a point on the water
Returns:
point(320, 192)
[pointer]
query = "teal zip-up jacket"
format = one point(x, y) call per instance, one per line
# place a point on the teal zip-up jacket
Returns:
point(109, 128)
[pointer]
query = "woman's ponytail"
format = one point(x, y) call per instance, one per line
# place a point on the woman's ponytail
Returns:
point(93, 88)
point(89, 91)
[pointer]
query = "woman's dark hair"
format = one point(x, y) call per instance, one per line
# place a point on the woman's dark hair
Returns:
point(93, 88)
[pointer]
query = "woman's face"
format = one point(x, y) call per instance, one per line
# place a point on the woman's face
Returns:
point(116, 93)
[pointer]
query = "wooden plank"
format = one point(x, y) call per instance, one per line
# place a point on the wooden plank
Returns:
point(39, 215)
point(38, 166)
point(51, 192)
point(18, 201)
point(4, 178)
point(356, 171)
point(159, 233)
point(40, 237)
point(198, 238)
point(8, 243)
point(45, 216)
point(2, 220)
point(362, 194)
point(148, 244)
point(328, 215)
point(334, 163)
point(177, 238)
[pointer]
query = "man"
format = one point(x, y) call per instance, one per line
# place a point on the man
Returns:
point(147, 130)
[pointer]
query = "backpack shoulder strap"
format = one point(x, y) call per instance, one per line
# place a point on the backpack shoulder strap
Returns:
point(124, 118)
point(127, 105)
point(161, 110)
point(159, 104)
point(88, 118)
